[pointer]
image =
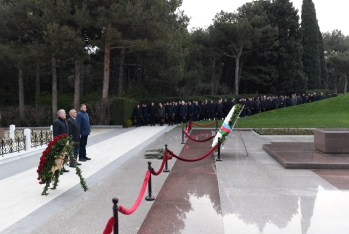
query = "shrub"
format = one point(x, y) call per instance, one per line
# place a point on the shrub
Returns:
point(122, 110)
point(283, 131)
point(128, 123)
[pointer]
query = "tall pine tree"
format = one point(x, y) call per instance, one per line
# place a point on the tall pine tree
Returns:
point(289, 62)
point(311, 45)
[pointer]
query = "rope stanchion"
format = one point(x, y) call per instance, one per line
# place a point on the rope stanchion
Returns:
point(219, 150)
point(166, 156)
point(193, 160)
point(116, 215)
point(149, 197)
point(109, 227)
point(210, 138)
point(126, 211)
point(205, 125)
point(164, 159)
point(216, 124)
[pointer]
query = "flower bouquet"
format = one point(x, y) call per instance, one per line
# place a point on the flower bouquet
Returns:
point(57, 154)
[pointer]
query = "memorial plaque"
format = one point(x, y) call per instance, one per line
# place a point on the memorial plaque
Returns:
point(1, 133)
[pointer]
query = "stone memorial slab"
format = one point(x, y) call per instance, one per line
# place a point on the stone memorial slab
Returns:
point(1, 133)
point(332, 140)
point(330, 150)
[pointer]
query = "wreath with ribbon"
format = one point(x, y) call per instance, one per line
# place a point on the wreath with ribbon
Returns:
point(57, 154)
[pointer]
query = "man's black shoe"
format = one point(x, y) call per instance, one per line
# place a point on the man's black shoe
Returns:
point(86, 158)
point(71, 165)
point(65, 170)
point(78, 164)
point(82, 160)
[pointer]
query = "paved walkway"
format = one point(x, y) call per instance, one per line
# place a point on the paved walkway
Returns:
point(257, 195)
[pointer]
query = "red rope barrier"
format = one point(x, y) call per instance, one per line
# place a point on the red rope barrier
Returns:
point(126, 211)
point(162, 166)
point(205, 125)
point(109, 227)
point(194, 160)
point(190, 125)
point(198, 140)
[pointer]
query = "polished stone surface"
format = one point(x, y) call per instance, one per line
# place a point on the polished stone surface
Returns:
point(338, 178)
point(303, 155)
point(332, 140)
point(259, 196)
point(256, 194)
point(188, 202)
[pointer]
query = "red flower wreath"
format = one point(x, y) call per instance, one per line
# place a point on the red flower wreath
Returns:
point(57, 153)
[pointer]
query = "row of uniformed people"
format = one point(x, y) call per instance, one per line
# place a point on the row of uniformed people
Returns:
point(255, 105)
point(181, 112)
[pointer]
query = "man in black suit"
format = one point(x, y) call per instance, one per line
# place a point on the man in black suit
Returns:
point(60, 127)
point(74, 131)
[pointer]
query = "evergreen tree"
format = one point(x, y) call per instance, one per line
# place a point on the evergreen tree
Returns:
point(311, 45)
point(337, 51)
point(289, 62)
point(323, 66)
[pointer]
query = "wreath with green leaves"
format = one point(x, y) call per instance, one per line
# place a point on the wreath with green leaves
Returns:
point(57, 154)
point(232, 120)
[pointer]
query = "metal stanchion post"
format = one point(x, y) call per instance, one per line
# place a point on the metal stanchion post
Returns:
point(116, 215)
point(216, 124)
point(182, 136)
point(166, 164)
point(41, 138)
point(219, 150)
point(149, 197)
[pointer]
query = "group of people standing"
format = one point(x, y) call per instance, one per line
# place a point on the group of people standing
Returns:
point(255, 105)
point(181, 112)
point(77, 126)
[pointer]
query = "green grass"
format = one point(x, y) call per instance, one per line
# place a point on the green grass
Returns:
point(328, 113)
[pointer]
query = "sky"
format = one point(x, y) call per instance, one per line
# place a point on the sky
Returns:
point(331, 14)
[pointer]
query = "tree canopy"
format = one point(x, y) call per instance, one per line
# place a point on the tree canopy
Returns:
point(143, 48)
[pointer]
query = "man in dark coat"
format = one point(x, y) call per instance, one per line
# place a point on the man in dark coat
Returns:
point(225, 108)
point(212, 109)
point(84, 124)
point(196, 112)
point(219, 109)
point(170, 113)
point(152, 114)
point(190, 111)
point(177, 119)
point(138, 115)
point(183, 112)
point(60, 127)
point(74, 131)
point(145, 114)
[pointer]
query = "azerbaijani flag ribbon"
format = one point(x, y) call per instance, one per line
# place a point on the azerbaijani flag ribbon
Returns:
point(225, 129)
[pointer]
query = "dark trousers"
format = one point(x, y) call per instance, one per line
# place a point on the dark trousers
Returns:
point(83, 143)
point(145, 121)
point(152, 120)
point(76, 153)
point(170, 120)
point(138, 121)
